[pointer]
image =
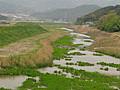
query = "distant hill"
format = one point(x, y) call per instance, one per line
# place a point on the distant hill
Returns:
point(94, 16)
point(69, 14)
point(3, 17)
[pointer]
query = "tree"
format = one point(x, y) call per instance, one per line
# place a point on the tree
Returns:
point(109, 22)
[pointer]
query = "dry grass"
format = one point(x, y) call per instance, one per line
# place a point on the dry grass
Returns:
point(35, 51)
point(44, 54)
point(23, 46)
point(107, 43)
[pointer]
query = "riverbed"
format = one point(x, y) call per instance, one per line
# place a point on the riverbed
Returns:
point(88, 57)
point(12, 82)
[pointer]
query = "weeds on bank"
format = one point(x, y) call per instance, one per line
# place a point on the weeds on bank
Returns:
point(84, 64)
point(13, 71)
point(80, 63)
point(76, 53)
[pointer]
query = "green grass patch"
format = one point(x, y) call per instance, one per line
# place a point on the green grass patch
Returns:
point(59, 47)
point(56, 83)
point(32, 84)
point(13, 71)
point(59, 53)
point(53, 82)
point(64, 41)
point(107, 81)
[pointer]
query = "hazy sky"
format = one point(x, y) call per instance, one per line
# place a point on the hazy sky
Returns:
point(99, 2)
point(43, 5)
point(65, 2)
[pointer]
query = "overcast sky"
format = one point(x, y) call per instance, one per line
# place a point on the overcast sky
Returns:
point(99, 2)
point(43, 5)
point(65, 2)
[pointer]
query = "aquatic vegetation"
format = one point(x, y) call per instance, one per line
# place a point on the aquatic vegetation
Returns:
point(106, 68)
point(84, 64)
point(82, 49)
point(77, 45)
point(68, 59)
point(87, 41)
point(109, 64)
point(70, 63)
point(76, 53)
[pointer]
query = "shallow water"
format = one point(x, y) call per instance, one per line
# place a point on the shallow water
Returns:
point(80, 41)
point(12, 82)
point(67, 29)
point(88, 57)
point(79, 35)
point(51, 70)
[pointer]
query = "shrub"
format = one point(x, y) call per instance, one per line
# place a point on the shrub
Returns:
point(109, 23)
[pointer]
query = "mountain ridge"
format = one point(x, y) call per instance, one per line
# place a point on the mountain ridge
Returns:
point(68, 14)
point(96, 15)
point(2, 17)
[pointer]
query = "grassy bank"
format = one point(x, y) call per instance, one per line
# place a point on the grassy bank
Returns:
point(87, 80)
point(10, 34)
point(42, 55)
point(53, 82)
point(33, 50)
point(14, 71)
